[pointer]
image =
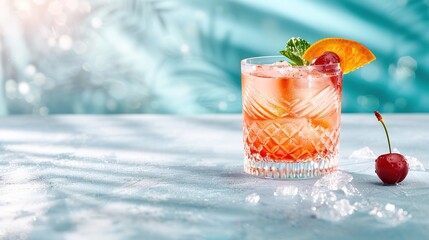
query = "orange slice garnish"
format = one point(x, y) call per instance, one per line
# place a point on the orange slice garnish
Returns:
point(353, 55)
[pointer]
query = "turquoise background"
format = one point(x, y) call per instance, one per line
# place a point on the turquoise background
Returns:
point(183, 57)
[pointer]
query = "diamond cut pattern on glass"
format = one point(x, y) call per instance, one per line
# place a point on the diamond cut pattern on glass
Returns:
point(260, 106)
point(289, 139)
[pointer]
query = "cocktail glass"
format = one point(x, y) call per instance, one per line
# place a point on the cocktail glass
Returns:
point(291, 118)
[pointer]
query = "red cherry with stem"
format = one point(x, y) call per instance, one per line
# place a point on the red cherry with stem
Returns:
point(391, 168)
point(326, 58)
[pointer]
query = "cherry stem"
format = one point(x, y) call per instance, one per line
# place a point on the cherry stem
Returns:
point(387, 135)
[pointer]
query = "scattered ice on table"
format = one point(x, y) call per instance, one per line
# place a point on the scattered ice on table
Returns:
point(363, 153)
point(343, 207)
point(252, 198)
point(362, 205)
point(333, 198)
point(333, 181)
point(389, 214)
point(336, 211)
point(325, 200)
point(389, 207)
point(414, 164)
point(350, 190)
point(320, 198)
point(305, 192)
point(288, 190)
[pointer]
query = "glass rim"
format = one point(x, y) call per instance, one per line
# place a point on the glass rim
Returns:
point(245, 62)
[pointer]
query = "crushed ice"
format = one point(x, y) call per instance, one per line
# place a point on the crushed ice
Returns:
point(336, 211)
point(288, 190)
point(326, 204)
point(363, 153)
point(350, 191)
point(320, 198)
point(252, 198)
point(389, 214)
point(414, 164)
point(333, 198)
point(282, 64)
point(334, 181)
point(366, 153)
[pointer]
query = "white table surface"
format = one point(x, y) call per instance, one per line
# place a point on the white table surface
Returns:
point(173, 177)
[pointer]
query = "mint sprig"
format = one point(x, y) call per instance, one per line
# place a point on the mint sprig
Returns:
point(294, 50)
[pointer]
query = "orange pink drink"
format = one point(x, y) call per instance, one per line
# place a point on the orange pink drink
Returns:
point(291, 118)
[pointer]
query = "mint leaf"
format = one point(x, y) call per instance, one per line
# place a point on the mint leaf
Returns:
point(294, 50)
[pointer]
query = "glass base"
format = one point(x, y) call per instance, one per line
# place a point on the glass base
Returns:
point(306, 168)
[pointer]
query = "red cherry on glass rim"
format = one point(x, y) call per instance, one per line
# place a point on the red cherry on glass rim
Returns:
point(391, 168)
point(326, 58)
point(329, 58)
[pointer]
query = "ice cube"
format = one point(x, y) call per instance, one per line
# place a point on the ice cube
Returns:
point(389, 214)
point(350, 190)
point(316, 93)
point(265, 71)
point(282, 68)
point(252, 198)
point(308, 75)
point(390, 207)
point(343, 207)
point(414, 164)
point(305, 192)
point(362, 205)
point(334, 181)
point(364, 153)
point(320, 198)
point(282, 64)
point(334, 212)
point(288, 190)
point(316, 102)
